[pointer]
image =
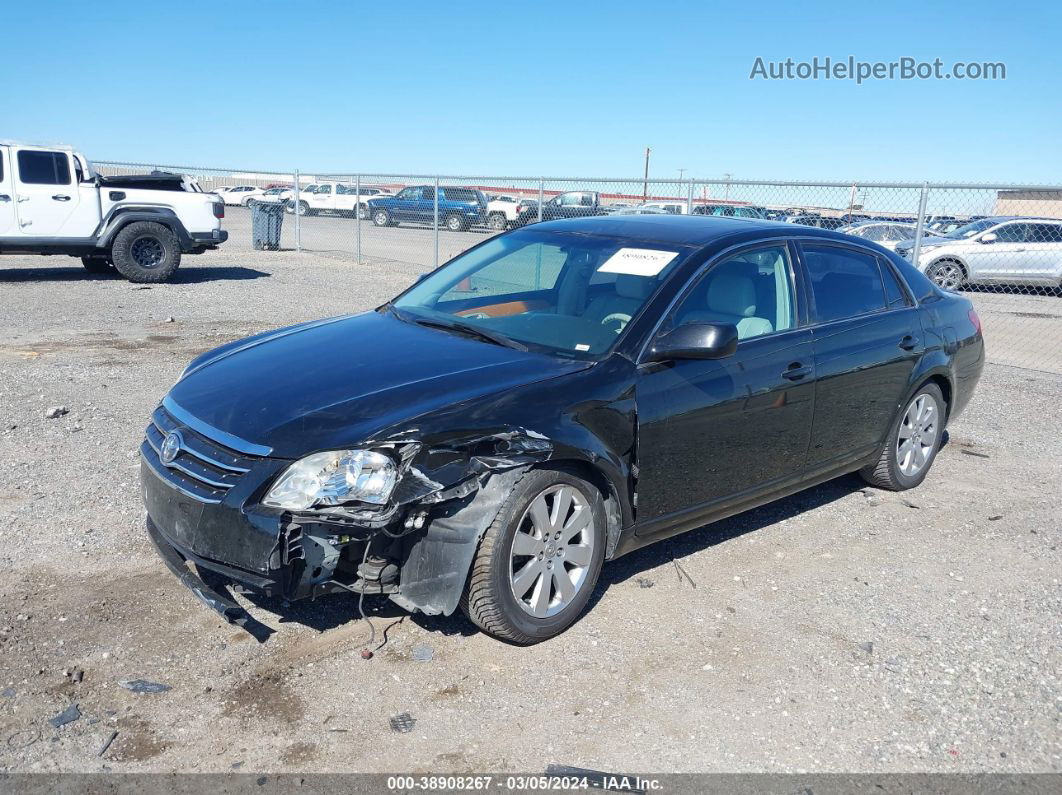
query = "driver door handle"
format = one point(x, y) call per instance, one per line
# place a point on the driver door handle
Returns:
point(4, 197)
point(796, 371)
point(60, 197)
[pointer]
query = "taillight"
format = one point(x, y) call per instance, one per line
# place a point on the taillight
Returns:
point(219, 209)
point(975, 320)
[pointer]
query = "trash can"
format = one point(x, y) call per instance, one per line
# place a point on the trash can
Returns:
point(266, 222)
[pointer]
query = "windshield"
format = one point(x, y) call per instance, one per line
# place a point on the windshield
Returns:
point(969, 230)
point(557, 292)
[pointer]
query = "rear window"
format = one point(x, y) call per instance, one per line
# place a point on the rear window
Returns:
point(460, 194)
point(43, 168)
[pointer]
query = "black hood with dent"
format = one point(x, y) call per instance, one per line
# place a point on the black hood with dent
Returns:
point(337, 383)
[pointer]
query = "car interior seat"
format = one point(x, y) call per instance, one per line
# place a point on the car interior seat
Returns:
point(730, 297)
point(630, 293)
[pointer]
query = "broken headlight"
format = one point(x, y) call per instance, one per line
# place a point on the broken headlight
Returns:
point(334, 478)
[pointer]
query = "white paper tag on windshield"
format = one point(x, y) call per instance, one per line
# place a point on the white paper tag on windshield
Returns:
point(637, 261)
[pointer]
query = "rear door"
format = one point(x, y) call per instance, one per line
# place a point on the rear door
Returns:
point(46, 196)
point(1004, 259)
point(867, 337)
point(1044, 243)
point(7, 197)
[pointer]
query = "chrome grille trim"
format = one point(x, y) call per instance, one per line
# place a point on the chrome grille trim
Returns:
point(221, 437)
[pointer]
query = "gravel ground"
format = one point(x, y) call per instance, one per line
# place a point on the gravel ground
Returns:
point(842, 629)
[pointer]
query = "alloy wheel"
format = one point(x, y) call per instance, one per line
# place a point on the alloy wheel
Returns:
point(948, 276)
point(917, 438)
point(147, 252)
point(551, 551)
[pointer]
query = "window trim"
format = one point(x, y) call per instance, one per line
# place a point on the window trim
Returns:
point(53, 153)
point(800, 315)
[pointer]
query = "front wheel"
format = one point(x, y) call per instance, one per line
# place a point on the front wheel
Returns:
point(538, 562)
point(912, 443)
point(455, 223)
point(146, 252)
point(947, 274)
point(98, 265)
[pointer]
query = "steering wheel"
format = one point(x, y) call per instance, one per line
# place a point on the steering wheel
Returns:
point(620, 319)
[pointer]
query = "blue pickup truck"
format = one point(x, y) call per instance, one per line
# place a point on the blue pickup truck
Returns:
point(459, 208)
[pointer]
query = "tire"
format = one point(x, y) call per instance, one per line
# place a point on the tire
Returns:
point(146, 252)
point(947, 274)
point(497, 599)
point(893, 469)
point(381, 218)
point(98, 265)
point(362, 213)
point(497, 222)
point(455, 223)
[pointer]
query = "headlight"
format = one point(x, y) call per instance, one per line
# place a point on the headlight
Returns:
point(334, 478)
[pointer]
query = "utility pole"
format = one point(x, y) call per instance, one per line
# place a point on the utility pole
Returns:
point(727, 177)
point(645, 185)
point(681, 172)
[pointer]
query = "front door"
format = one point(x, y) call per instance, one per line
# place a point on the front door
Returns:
point(867, 339)
point(709, 431)
point(46, 195)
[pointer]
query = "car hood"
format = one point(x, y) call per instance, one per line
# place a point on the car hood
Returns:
point(927, 240)
point(340, 382)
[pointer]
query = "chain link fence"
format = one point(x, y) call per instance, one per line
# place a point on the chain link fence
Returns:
point(1001, 245)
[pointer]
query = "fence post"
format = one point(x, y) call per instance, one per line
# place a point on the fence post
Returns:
point(921, 222)
point(357, 213)
point(689, 200)
point(298, 216)
point(436, 221)
point(541, 191)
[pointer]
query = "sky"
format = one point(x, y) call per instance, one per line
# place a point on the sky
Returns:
point(543, 88)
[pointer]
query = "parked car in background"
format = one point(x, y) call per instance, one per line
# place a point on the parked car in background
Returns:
point(641, 210)
point(673, 207)
point(727, 211)
point(338, 198)
point(459, 208)
point(883, 233)
point(52, 202)
point(239, 194)
point(818, 221)
point(573, 204)
point(502, 212)
point(997, 250)
point(548, 401)
point(270, 196)
point(289, 196)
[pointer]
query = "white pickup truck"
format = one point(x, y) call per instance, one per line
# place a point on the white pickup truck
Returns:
point(340, 198)
point(52, 202)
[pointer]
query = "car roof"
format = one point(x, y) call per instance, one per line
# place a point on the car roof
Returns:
point(685, 230)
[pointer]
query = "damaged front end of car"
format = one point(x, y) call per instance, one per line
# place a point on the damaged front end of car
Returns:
point(211, 502)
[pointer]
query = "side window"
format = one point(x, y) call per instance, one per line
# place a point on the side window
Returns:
point(428, 194)
point(1011, 233)
point(752, 290)
point(1038, 233)
point(894, 294)
point(844, 283)
point(325, 189)
point(2, 164)
point(43, 168)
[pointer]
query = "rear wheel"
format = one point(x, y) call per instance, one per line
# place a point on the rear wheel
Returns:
point(912, 444)
point(381, 218)
point(537, 564)
point(497, 222)
point(146, 252)
point(363, 212)
point(947, 274)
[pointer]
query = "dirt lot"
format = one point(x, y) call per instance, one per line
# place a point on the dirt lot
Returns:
point(843, 629)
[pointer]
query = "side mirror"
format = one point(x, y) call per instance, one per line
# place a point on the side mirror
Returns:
point(695, 341)
point(991, 237)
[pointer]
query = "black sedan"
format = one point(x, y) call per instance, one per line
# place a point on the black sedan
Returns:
point(549, 400)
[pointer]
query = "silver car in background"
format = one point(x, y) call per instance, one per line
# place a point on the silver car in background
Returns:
point(999, 250)
point(884, 233)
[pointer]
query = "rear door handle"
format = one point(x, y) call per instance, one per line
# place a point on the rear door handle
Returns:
point(61, 197)
point(909, 342)
point(796, 371)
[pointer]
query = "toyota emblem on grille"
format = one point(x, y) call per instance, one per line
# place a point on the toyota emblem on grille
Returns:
point(171, 446)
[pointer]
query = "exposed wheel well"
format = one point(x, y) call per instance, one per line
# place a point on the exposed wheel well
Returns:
point(945, 389)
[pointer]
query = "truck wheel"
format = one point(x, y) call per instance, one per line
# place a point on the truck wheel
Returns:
point(538, 562)
point(98, 265)
point(363, 212)
point(455, 223)
point(146, 252)
point(381, 218)
point(497, 222)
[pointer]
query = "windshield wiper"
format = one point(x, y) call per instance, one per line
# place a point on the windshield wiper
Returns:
point(471, 331)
